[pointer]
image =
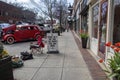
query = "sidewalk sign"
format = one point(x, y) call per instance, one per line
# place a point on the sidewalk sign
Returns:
point(52, 42)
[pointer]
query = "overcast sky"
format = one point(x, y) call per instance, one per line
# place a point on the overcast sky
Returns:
point(70, 1)
point(27, 1)
point(29, 4)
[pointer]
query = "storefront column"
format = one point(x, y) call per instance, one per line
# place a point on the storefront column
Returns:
point(90, 25)
point(110, 19)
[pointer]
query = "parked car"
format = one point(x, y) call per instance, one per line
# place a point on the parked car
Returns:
point(45, 27)
point(15, 33)
point(2, 26)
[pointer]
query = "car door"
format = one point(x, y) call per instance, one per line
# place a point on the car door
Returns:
point(22, 33)
point(33, 31)
point(26, 32)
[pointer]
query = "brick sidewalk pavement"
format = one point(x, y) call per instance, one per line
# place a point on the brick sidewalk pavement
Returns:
point(96, 71)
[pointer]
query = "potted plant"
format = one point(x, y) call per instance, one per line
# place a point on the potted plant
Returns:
point(84, 38)
point(114, 61)
point(6, 72)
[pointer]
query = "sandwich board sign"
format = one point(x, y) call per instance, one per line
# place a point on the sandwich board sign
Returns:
point(52, 43)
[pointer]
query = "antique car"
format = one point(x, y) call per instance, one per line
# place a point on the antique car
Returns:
point(15, 33)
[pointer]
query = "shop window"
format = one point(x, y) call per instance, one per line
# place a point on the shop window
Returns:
point(103, 25)
point(116, 29)
point(95, 21)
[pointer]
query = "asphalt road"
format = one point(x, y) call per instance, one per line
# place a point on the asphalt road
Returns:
point(16, 48)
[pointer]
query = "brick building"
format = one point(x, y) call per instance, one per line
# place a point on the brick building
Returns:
point(10, 13)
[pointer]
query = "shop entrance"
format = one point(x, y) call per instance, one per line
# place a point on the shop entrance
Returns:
point(102, 28)
point(116, 27)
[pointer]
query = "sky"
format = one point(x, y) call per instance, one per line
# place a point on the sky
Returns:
point(70, 1)
point(29, 3)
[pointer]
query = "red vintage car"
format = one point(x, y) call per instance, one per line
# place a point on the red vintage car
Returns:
point(15, 33)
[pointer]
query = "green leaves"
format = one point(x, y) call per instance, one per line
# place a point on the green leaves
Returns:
point(84, 35)
point(114, 64)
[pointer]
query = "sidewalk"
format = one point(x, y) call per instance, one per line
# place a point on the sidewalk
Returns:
point(72, 63)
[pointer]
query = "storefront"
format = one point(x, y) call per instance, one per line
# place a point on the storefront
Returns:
point(94, 9)
point(84, 16)
point(99, 25)
point(102, 28)
point(105, 25)
point(76, 19)
point(116, 22)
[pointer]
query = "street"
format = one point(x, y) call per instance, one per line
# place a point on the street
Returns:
point(67, 65)
point(18, 47)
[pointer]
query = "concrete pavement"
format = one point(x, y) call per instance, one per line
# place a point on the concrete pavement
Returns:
point(69, 64)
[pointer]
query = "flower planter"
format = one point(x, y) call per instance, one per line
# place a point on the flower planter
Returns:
point(6, 72)
point(84, 42)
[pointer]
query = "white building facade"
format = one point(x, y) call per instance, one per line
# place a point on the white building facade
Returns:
point(103, 24)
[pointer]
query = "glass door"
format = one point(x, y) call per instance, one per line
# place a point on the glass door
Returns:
point(116, 27)
point(102, 27)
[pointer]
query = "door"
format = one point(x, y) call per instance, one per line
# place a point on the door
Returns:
point(102, 28)
point(22, 33)
point(33, 31)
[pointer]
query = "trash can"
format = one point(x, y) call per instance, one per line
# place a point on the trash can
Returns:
point(6, 70)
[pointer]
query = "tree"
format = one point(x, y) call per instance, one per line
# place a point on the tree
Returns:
point(52, 8)
point(62, 10)
point(47, 8)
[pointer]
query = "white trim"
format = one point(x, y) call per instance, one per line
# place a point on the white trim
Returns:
point(110, 23)
point(93, 41)
point(95, 4)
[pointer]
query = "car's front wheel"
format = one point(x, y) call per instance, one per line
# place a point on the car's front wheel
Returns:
point(10, 40)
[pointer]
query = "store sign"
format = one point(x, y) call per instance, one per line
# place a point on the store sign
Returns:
point(52, 42)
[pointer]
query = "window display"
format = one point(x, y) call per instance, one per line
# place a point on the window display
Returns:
point(103, 25)
point(116, 30)
point(95, 21)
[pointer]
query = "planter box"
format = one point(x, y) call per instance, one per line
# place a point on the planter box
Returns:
point(84, 42)
point(6, 71)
